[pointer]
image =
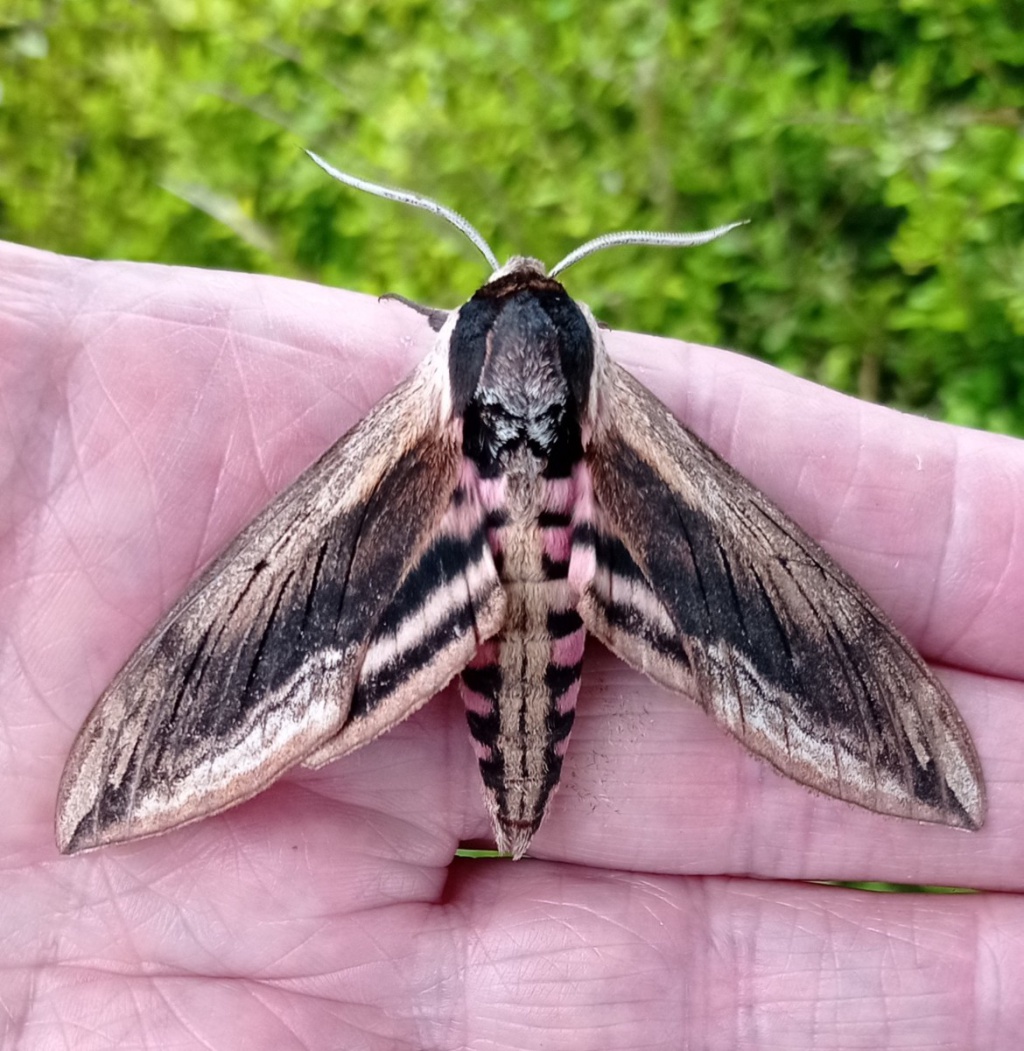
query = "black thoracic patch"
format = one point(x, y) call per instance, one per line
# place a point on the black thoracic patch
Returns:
point(565, 452)
point(490, 435)
point(468, 349)
point(576, 343)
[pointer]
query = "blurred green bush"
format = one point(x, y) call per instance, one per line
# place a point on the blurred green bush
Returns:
point(875, 144)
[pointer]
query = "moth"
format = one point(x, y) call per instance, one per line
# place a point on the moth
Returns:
point(518, 490)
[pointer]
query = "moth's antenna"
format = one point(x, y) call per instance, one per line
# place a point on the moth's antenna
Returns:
point(404, 197)
point(642, 237)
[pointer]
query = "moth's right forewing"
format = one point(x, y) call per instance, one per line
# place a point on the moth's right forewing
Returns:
point(256, 666)
point(705, 585)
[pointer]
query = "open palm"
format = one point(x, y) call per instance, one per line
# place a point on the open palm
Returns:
point(149, 413)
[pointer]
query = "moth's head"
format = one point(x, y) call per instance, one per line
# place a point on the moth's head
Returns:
point(520, 266)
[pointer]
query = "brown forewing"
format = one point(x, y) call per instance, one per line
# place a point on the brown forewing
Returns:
point(256, 666)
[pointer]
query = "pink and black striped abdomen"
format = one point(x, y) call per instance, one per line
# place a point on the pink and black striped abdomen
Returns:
point(520, 689)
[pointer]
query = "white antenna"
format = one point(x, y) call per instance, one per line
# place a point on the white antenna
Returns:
point(627, 237)
point(642, 237)
point(404, 197)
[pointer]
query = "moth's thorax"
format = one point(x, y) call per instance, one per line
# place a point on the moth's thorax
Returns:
point(521, 362)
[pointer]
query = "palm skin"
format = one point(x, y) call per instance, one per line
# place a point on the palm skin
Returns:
point(150, 412)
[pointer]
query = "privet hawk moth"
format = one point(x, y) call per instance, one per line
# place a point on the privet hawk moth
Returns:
point(518, 490)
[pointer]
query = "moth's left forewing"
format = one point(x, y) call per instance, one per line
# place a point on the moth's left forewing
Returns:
point(700, 582)
point(305, 639)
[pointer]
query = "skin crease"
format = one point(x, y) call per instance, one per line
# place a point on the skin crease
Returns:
point(148, 413)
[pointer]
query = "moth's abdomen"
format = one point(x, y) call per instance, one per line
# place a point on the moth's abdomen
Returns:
point(520, 689)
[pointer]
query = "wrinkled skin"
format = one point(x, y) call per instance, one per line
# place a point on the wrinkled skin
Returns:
point(148, 413)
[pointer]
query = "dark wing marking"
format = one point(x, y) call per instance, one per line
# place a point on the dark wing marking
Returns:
point(704, 585)
point(257, 665)
point(449, 602)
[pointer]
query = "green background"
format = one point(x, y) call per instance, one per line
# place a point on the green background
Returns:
point(875, 145)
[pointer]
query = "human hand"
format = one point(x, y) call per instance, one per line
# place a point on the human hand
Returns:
point(151, 412)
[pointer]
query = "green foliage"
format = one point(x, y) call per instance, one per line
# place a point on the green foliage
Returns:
point(875, 144)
